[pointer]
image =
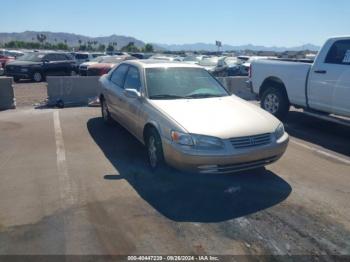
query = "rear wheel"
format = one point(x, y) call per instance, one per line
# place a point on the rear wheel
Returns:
point(275, 101)
point(38, 77)
point(107, 119)
point(154, 150)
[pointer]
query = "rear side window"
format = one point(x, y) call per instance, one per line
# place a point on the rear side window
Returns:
point(51, 57)
point(118, 76)
point(339, 53)
point(81, 56)
point(132, 80)
point(61, 57)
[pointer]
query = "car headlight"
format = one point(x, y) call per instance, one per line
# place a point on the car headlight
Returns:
point(207, 142)
point(279, 132)
point(182, 138)
point(197, 141)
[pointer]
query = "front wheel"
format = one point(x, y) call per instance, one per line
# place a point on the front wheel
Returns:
point(154, 150)
point(275, 101)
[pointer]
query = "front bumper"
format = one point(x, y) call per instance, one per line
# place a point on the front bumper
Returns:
point(227, 161)
point(19, 74)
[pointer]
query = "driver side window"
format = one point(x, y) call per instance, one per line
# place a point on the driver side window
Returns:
point(132, 80)
point(118, 76)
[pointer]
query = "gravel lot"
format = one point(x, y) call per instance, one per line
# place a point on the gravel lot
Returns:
point(28, 93)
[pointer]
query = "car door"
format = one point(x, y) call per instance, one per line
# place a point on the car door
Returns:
point(338, 73)
point(114, 93)
point(50, 65)
point(63, 66)
point(329, 80)
point(133, 105)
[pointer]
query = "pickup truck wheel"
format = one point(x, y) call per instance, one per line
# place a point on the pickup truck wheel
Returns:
point(154, 150)
point(275, 101)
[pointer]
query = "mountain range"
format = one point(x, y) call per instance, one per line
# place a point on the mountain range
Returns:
point(212, 47)
point(73, 40)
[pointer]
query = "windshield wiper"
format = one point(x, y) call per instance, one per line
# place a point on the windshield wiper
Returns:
point(164, 96)
point(204, 95)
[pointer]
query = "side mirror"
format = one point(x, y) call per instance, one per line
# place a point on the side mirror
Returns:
point(132, 93)
point(46, 61)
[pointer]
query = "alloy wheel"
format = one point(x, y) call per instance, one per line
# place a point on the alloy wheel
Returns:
point(37, 77)
point(152, 151)
point(271, 103)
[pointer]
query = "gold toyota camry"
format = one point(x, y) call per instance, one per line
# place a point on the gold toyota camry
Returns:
point(188, 120)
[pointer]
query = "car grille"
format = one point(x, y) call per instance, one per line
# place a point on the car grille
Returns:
point(251, 141)
point(93, 72)
point(232, 168)
point(12, 69)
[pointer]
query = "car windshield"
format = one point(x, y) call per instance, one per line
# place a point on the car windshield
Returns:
point(209, 62)
point(32, 57)
point(179, 83)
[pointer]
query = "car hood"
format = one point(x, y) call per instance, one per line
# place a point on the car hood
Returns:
point(23, 63)
point(86, 64)
point(102, 65)
point(224, 117)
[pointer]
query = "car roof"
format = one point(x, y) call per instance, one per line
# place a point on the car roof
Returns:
point(150, 63)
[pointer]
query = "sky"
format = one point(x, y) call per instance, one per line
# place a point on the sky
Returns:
point(260, 22)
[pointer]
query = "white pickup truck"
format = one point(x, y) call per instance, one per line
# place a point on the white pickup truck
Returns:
point(321, 88)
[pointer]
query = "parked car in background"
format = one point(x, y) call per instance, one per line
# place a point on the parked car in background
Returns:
point(187, 119)
point(166, 58)
point(84, 57)
point(15, 53)
point(230, 66)
point(321, 88)
point(141, 55)
point(192, 59)
point(4, 59)
point(38, 65)
point(107, 64)
point(1, 70)
point(209, 63)
point(84, 66)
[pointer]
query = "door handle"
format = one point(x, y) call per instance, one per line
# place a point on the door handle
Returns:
point(320, 71)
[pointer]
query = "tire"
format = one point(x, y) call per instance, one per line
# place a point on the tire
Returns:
point(106, 116)
point(154, 150)
point(275, 101)
point(16, 79)
point(60, 104)
point(38, 77)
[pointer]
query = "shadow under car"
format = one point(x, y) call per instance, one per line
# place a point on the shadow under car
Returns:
point(182, 196)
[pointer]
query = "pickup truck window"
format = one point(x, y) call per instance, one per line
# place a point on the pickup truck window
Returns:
point(339, 53)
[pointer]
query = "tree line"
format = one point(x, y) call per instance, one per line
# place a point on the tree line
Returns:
point(41, 43)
